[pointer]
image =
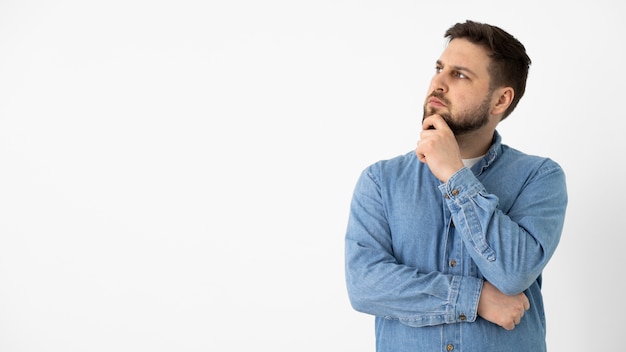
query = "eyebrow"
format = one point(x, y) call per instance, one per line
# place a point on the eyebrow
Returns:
point(458, 68)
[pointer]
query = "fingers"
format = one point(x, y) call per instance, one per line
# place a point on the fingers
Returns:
point(435, 135)
point(520, 313)
point(504, 310)
point(526, 303)
point(519, 319)
point(509, 327)
point(516, 311)
point(513, 323)
point(522, 309)
point(434, 122)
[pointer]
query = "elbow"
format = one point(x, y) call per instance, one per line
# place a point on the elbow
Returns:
point(355, 296)
point(358, 304)
point(360, 295)
point(364, 303)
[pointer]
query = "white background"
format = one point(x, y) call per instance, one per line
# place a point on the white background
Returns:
point(176, 175)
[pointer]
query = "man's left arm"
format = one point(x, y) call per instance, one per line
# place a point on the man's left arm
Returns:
point(510, 249)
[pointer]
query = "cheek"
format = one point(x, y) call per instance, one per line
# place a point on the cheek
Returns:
point(465, 102)
point(458, 103)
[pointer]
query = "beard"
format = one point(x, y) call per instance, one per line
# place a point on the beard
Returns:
point(463, 122)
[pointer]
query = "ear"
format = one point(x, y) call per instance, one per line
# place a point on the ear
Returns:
point(503, 97)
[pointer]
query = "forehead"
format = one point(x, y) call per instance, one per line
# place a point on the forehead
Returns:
point(463, 53)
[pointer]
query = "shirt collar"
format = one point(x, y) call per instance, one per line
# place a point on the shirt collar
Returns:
point(491, 154)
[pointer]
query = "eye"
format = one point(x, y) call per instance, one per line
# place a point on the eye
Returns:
point(438, 69)
point(459, 74)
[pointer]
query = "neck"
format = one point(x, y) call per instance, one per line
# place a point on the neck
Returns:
point(476, 143)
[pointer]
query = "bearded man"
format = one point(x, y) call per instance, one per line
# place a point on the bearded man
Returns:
point(446, 244)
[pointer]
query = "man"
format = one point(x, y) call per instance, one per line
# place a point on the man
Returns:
point(446, 244)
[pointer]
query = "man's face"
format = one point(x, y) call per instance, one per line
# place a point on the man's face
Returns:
point(460, 90)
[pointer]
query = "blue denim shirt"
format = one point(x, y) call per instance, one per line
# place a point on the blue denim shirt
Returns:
point(418, 250)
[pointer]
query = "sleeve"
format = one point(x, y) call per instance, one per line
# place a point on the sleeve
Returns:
point(510, 249)
point(379, 285)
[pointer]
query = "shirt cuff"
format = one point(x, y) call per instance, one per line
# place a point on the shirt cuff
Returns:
point(468, 295)
point(462, 185)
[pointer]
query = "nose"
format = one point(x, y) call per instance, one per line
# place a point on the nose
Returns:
point(439, 83)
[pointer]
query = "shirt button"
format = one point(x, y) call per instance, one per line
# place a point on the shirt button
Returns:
point(453, 263)
point(450, 347)
point(462, 317)
point(455, 192)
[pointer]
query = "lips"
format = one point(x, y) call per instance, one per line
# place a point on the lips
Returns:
point(436, 102)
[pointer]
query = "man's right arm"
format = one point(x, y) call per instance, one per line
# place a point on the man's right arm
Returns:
point(379, 285)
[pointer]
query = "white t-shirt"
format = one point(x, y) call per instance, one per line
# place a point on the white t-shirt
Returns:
point(470, 162)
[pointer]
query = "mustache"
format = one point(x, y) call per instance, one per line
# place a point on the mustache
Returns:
point(439, 95)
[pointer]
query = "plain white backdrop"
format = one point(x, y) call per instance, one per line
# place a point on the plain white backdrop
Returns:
point(176, 175)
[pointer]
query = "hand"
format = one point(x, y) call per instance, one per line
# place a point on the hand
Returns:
point(438, 148)
point(498, 308)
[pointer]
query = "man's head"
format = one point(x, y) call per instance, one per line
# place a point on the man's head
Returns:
point(481, 74)
point(509, 61)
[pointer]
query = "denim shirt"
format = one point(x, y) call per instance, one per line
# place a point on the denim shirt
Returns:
point(417, 250)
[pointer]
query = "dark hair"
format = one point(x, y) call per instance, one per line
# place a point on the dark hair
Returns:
point(509, 61)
